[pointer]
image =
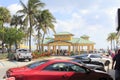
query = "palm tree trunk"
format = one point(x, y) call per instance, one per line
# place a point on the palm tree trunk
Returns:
point(16, 45)
point(39, 49)
point(3, 38)
point(30, 35)
point(114, 45)
point(111, 44)
point(43, 40)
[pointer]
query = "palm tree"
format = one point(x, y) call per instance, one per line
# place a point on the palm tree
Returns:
point(28, 12)
point(4, 18)
point(45, 20)
point(112, 38)
point(117, 39)
point(16, 20)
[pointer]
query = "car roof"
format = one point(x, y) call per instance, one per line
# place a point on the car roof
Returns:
point(61, 60)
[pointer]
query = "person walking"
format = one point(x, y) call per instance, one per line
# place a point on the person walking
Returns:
point(116, 62)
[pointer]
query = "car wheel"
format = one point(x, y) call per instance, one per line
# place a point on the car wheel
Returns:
point(107, 63)
point(17, 59)
point(14, 58)
point(29, 59)
point(101, 64)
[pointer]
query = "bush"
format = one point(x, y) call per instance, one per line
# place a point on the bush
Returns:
point(36, 54)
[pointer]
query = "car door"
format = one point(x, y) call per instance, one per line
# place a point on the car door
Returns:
point(79, 72)
point(95, 58)
point(56, 71)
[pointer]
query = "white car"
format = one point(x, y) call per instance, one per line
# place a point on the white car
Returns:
point(97, 57)
point(22, 54)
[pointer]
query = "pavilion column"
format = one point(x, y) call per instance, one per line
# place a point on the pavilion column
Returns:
point(55, 48)
point(37, 47)
point(73, 48)
point(92, 47)
point(88, 48)
point(59, 47)
point(48, 48)
point(43, 47)
point(79, 48)
point(69, 48)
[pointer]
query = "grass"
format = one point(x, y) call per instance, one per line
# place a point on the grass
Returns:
point(3, 55)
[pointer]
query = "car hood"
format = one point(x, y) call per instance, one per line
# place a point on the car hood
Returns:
point(19, 69)
point(100, 71)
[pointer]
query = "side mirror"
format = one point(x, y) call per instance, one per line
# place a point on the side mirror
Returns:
point(88, 71)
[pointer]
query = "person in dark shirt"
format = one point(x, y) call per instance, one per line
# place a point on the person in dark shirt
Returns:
point(116, 62)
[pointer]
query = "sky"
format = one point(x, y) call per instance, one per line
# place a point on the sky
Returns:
point(95, 18)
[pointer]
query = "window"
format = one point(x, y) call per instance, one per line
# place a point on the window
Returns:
point(83, 55)
point(95, 56)
point(65, 67)
point(23, 50)
point(36, 64)
point(56, 67)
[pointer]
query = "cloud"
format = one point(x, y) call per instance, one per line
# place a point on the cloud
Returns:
point(14, 8)
point(76, 22)
point(84, 11)
point(94, 18)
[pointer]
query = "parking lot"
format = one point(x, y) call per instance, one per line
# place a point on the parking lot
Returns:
point(6, 64)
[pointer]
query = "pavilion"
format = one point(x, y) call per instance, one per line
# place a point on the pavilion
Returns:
point(66, 39)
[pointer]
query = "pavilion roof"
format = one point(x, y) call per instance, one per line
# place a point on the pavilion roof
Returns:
point(64, 33)
point(74, 40)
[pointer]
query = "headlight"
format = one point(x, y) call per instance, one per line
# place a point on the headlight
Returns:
point(10, 78)
point(8, 74)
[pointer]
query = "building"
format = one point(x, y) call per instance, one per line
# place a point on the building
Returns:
point(118, 27)
point(66, 39)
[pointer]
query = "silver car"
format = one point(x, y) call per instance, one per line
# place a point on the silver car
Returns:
point(23, 54)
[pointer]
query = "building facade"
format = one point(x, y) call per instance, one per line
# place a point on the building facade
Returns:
point(66, 39)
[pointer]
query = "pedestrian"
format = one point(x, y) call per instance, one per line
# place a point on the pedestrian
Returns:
point(116, 62)
point(112, 54)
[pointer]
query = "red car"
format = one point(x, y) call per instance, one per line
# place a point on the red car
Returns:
point(55, 70)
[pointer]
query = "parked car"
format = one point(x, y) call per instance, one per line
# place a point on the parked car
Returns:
point(90, 66)
point(22, 54)
point(56, 70)
point(83, 59)
point(87, 60)
point(97, 57)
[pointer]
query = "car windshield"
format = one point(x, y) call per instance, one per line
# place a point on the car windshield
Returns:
point(95, 56)
point(78, 61)
point(83, 55)
point(23, 50)
point(36, 64)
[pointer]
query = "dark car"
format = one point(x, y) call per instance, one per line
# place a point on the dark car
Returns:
point(91, 66)
point(87, 60)
point(56, 70)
